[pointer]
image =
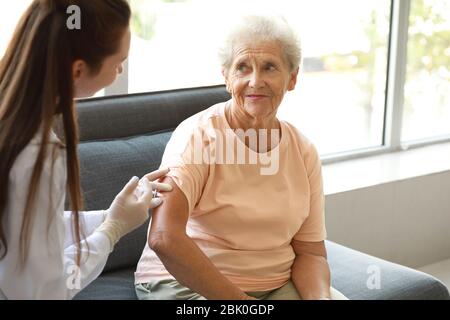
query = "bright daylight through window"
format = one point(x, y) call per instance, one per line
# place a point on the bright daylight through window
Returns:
point(426, 111)
point(339, 99)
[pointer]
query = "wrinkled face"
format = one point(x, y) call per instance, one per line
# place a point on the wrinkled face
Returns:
point(87, 84)
point(259, 77)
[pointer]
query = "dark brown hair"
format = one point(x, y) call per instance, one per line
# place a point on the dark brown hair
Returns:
point(36, 84)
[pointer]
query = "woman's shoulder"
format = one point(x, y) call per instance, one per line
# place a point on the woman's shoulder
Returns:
point(25, 161)
point(203, 119)
point(201, 123)
point(195, 130)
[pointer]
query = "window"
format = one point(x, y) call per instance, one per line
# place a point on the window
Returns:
point(339, 100)
point(426, 111)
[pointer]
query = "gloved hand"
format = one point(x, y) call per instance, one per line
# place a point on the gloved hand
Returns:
point(129, 209)
point(156, 186)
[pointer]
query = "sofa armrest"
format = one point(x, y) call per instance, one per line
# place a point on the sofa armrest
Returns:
point(355, 274)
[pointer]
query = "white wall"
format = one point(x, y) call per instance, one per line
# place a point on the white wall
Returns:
point(406, 221)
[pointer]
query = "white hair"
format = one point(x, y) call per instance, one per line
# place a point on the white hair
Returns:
point(262, 29)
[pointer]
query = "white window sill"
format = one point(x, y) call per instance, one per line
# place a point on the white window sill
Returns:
point(375, 170)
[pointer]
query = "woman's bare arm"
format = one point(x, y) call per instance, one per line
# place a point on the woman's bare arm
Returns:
point(179, 253)
point(310, 271)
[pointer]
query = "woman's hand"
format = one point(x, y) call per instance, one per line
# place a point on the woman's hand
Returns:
point(154, 178)
point(130, 207)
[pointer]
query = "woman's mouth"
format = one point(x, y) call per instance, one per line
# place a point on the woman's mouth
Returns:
point(255, 97)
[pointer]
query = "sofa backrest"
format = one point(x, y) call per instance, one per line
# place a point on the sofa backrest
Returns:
point(123, 136)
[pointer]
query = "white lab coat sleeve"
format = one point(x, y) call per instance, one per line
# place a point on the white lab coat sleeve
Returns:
point(89, 221)
point(50, 271)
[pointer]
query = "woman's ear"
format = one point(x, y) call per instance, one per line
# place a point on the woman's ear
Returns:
point(78, 69)
point(293, 79)
point(224, 73)
point(80, 73)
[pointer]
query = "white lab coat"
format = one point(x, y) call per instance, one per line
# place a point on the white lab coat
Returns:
point(50, 269)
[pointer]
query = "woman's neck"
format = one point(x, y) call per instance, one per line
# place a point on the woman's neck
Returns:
point(268, 129)
point(239, 119)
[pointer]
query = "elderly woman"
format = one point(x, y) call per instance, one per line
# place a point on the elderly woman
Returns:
point(232, 228)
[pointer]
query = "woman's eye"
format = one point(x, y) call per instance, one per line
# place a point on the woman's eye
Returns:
point(270, 67)
point(242, 68)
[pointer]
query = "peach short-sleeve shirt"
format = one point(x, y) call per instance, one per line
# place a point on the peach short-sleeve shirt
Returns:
point(244, 212)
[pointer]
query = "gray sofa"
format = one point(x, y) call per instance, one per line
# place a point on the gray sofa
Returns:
point(126, 135)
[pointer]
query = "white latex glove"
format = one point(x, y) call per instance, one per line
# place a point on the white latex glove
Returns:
point(129, 209)
point(156, 186)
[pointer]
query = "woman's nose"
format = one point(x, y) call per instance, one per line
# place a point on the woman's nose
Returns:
point(256, 80)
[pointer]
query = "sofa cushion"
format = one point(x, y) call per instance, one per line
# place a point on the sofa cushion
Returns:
point(137, 114)
point(106, 166)
point(116, 285)
point(349, 276)
point(351, 270)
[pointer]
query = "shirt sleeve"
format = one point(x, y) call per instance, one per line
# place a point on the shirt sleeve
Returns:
point(89, 221)
point(184, 156)
point(50, 271)
point(313, 227)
